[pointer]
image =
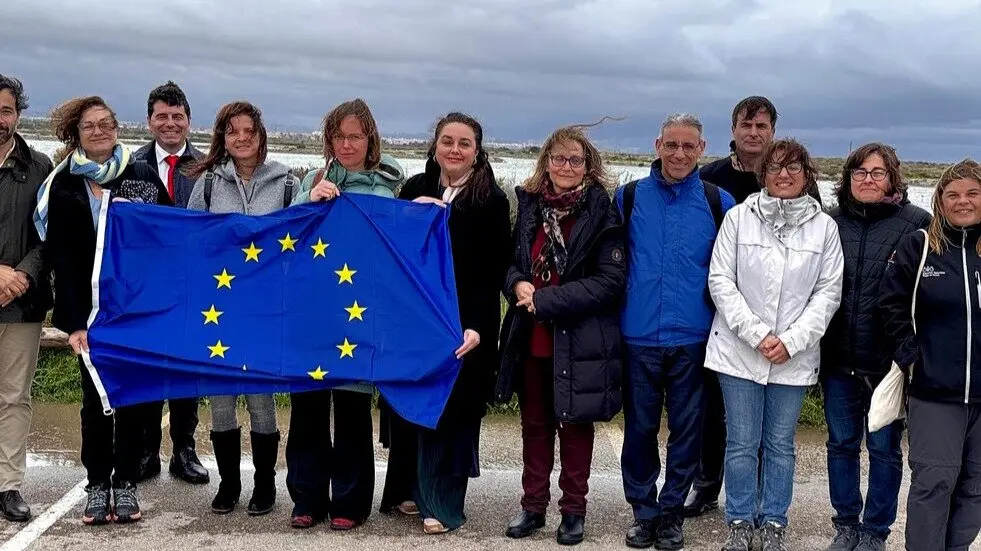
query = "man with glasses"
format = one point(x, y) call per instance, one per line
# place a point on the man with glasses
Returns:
point(25, 294)
point(169, 119)
point(672, 218)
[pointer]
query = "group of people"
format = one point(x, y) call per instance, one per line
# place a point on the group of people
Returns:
point(719, 294)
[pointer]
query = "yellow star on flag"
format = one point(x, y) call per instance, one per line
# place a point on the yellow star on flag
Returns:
point(320, 249)
point(224, 279)
point(287, 243)
point(211, 316)
point(347, 349)
point(346, 274)
point(218, 349)
point(318, 374)
point(355, 312)
point(252, 253)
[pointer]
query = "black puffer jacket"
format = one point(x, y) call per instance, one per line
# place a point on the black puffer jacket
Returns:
point(854, 342)
point(584, 310)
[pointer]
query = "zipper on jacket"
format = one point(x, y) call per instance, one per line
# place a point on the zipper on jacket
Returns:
point(967, 301)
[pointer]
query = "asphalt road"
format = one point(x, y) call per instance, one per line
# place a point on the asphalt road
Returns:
point(177, 515)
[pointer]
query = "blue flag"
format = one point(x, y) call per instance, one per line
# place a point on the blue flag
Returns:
point(356, 290)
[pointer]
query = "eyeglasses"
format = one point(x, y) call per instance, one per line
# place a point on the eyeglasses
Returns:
point(672, 147)
point(792, 168)
point(558, 161)
point(860, 174)
point(105, 125)
point(353, 139)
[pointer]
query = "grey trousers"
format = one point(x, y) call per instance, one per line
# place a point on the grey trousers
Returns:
point(18, 360)
point(943, 511)
point(262, 413)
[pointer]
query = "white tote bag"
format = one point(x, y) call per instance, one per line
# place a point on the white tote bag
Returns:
point(888, 402)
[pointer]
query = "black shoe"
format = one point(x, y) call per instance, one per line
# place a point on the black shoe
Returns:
point(149, 466)
point(125, 507)
point(14, 507)
point(870, 542)
point(228, 454)
point(570, 530)
point(699, 503)
point(97, 506)
point(525, 524)
point(186, 466)
point(670, 536)
point(846, 538)
point(265, 450)
point(740, 537)
point(641, 534)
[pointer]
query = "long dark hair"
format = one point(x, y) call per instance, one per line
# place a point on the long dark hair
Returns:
point(479, 188)
point(217, 154)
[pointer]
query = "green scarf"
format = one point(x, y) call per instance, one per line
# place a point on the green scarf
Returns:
point(382, 180)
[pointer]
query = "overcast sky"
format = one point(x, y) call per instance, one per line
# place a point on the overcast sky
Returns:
point(839, 74)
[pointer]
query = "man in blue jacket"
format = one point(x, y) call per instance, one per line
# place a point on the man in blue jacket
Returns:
point(672, 218)
point(169, 119)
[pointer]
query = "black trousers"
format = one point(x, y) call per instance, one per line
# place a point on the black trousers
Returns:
point(944, 506)
point(110, 443)
point(183, 423)
point(324, 477)
point(708, 478)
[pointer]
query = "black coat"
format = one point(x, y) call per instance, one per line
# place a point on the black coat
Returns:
point(480, 240)
point(584, 310)
point(69, 249)
point(945, 349)
point(20, 245)
point(183, 185)
point(854, 342)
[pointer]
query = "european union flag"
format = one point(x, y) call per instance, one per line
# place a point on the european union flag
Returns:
point(359, 289)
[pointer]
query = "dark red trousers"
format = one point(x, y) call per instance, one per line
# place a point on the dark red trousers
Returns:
point(538, 430)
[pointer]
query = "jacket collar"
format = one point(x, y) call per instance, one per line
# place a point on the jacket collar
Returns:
point(956, 235)
point(597, 207)
point(676, 188)
point(21, 152)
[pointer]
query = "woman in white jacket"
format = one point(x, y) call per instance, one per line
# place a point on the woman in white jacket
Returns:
point(775, 277)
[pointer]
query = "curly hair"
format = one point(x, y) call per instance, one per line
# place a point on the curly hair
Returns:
point(66, 118)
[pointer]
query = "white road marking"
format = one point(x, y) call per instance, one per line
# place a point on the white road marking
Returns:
point(37, 527)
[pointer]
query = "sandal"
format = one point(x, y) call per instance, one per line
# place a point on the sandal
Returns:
point(408, 508)
point(433, 526)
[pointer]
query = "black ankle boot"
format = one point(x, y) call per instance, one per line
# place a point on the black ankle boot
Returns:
point(228, 454)
point(265, 450)
point(570, 531)
point(525, 524)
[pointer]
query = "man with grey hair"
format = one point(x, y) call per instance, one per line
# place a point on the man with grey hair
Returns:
point(25, 293)
point(671, 219)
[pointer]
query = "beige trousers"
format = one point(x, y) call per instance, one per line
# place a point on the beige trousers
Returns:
point(19, 344)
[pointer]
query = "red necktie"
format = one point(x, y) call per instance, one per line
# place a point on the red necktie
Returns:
point(171, 162)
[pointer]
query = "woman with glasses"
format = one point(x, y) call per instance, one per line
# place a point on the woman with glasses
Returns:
point(94, 167)
point(325, 479)
point(873, 214)
point(561, 334)
point(775, 277)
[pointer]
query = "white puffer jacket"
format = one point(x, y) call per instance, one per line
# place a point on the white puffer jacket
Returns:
point(776, 269)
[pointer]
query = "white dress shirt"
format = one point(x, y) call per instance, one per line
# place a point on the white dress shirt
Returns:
point(162, 167)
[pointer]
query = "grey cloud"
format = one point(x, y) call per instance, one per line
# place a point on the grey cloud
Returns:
point(837, 75)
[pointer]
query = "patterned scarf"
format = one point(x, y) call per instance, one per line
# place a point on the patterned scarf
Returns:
point(555, 207)
point(79, 165)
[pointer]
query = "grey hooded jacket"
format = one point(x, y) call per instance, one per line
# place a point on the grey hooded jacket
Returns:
point(262, 195)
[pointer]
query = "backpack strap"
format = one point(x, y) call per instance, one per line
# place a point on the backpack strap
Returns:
point(629, 192)
point(209, 186)
point(714, 198)
point(288, 190)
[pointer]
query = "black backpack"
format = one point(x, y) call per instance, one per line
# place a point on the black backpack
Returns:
point(712, 195)
point(209, 185)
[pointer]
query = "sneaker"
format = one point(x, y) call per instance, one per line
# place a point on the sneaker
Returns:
point(772, 537)
point(125, 507)
point(740, 537)
point(96, 506)
point(845, 540)
point(870, 542)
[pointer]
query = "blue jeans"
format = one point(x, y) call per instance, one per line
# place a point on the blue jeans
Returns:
point(846, 406)
point(659, 377)
point(760, 414)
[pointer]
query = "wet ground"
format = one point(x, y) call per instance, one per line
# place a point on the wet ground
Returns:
point(177, 515)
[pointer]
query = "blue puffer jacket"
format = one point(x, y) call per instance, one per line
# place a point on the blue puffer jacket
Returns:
point(670, 242)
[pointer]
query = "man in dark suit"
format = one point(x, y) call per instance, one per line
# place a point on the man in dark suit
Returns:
point(169, 119)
